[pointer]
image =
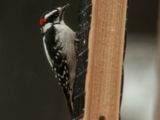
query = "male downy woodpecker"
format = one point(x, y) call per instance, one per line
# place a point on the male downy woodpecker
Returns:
point(59, 46)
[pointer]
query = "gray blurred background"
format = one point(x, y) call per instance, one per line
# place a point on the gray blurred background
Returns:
point(27, 88)
point(140, 83)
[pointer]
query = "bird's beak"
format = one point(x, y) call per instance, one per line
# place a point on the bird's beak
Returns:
point(64, 7)
point(63, 10)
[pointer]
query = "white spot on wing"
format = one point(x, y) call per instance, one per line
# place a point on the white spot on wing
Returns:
point(56, 57)
point(55, 76)
point(55, 69)
point(64, 72)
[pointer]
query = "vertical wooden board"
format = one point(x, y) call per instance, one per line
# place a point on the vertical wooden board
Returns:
point(106, 46)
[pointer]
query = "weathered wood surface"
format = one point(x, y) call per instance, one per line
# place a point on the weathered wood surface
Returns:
point(106, 48)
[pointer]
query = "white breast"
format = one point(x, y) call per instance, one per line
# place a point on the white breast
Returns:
point(66, 36)
point(46, 27)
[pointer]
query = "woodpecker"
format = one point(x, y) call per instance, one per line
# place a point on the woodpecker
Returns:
point(59, 45)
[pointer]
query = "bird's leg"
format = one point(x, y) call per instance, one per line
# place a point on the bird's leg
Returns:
point(71, 99)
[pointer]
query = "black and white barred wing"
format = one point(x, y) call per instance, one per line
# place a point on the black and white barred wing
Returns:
point(58, 62)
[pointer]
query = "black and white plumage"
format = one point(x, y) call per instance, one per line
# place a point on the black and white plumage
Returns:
point(58, 41)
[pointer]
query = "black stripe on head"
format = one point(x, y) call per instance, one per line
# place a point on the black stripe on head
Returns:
point(53, 17)
point(43, 14)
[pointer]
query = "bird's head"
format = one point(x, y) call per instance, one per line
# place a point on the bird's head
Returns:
point(55, 16)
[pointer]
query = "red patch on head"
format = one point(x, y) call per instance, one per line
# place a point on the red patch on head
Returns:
point(42, 21)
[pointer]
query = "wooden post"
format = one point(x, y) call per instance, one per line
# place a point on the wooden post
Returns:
point(106, 47)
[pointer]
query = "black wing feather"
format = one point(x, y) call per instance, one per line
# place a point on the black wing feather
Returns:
point(59, 62)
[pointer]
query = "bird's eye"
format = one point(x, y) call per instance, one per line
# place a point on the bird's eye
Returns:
point(56, 14)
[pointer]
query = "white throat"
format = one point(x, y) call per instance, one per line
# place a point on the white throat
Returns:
point(46, 27)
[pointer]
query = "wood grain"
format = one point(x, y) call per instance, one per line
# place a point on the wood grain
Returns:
point(106, 46)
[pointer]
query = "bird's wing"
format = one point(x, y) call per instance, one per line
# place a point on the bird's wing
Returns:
point(59, 61)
